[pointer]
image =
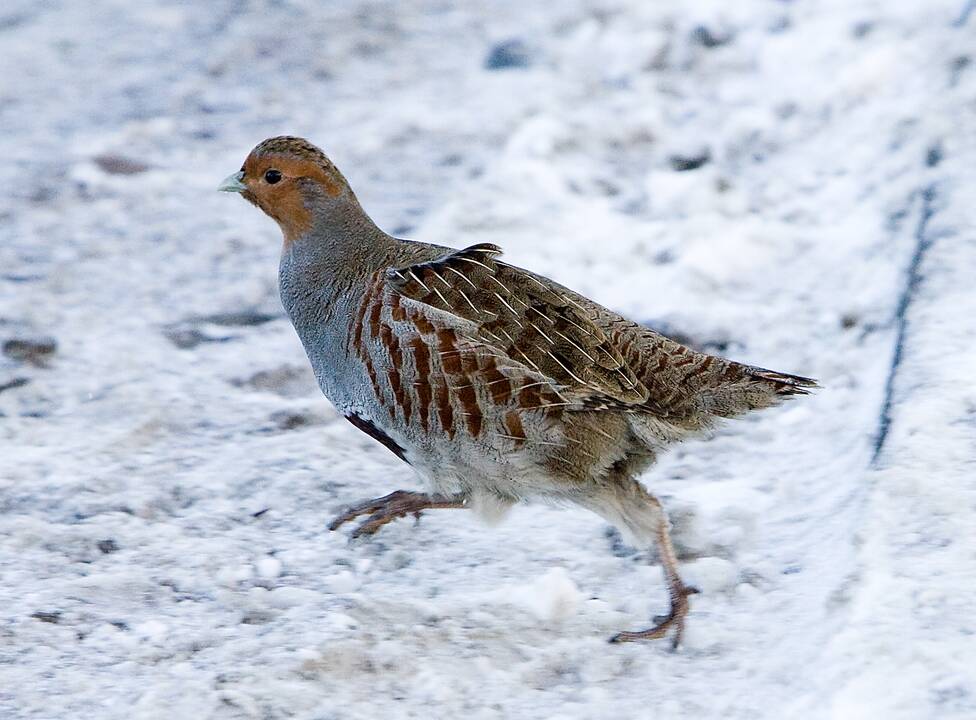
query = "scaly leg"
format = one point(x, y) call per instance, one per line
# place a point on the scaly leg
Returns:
point(390, 507)
point(679, 592)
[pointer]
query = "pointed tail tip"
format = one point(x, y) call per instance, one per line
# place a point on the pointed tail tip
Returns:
point(786, 384)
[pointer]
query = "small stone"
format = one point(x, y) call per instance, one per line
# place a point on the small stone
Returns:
point(48, 617)
point(617, 544)
point(683, 163)
point(862, 28)
point(42, 194)
point(956, 67)
point(256, 617)
point(709, 38)
point(288, 420)
point(239, 318)
point(108, 546)
point(187, 339)
point(508, 54)
point(15, 383)
point(119, 165)
point(34, 350)
point(290, 381)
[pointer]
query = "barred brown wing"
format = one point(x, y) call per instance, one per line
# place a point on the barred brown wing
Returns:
point(526, 320)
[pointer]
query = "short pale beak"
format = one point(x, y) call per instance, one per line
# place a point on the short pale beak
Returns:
point(232, 183)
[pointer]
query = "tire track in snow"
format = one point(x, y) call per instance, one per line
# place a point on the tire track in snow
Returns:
point(913, 279)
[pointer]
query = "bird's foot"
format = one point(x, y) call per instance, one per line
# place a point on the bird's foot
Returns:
point(390, 507)
point(675, 619)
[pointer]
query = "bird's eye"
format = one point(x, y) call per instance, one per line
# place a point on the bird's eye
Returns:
point(272, 176)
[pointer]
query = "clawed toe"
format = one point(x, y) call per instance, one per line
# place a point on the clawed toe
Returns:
point(663, 624)
point(378, 519)
point(350, 514)
point(380, 510)
point(660, 630)
point(390, 507)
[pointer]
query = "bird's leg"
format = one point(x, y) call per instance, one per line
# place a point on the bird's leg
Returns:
point(679, 592)
point(390, 507)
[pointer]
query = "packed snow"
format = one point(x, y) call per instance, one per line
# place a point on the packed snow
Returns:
point(789, 184)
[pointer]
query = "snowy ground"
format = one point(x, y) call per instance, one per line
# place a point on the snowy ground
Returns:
point(167, 471)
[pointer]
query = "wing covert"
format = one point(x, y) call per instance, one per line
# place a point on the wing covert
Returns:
point(529, 321)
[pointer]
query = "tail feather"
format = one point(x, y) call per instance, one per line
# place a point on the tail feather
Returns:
point(689, 388)
point(784, 383)
point(743, 387)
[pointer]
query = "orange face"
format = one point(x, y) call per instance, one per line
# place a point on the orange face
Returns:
point(284, 178)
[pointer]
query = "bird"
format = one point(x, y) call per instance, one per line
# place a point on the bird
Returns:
point(495, 384)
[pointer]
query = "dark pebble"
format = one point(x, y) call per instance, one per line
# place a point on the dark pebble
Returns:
point(42, 195)
point(286, 380)
point(243, 318)
point(187, 339)
point(617, 545)
point(708, 38)
point(257, 617)
point(508, 54)
point(15, 383)
point(451, 160)
point(49, 617)
point(862, 28)
point(682, 163)
point(119, 165)
point(108, 546)
point(288, 420)
point(35, 350)
point(956, 67)
point(9, 22)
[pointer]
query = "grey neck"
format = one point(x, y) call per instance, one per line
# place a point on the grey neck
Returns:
point(325, 270)
point(341, 247)
point(323, 278)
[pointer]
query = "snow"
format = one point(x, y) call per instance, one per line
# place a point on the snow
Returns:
point(552, 597)
point(168, 472)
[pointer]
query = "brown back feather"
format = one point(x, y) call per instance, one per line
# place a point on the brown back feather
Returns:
point(598, 359)
point(528, 320)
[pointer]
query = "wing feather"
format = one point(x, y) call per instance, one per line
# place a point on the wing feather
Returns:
point(530, 322)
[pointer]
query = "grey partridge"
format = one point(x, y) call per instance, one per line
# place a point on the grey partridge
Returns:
point(494, 383)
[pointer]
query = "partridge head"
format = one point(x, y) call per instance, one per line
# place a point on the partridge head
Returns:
point(293, 182)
